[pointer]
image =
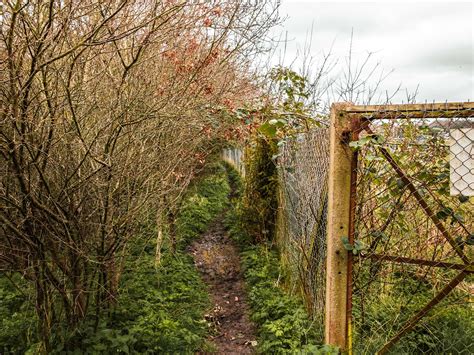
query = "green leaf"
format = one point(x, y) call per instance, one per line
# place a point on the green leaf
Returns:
point(346, 243)
point(377, 138)
point(470, 239)
point(444, 213)
point(358, 247)
point(379, 234)
point(360, 143)
point(370, 157)
point(459, 241)
point(442, 176)
point(268, 130)
point(458, 217)
point(400, 183)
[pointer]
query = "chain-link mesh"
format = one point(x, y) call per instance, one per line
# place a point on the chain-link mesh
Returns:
point(412, 283)
point(303, 164)
point(301, 226)
point(235, 157)
point(412, 288)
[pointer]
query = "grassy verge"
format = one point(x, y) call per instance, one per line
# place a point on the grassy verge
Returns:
point(158, 310)
point(283, 324)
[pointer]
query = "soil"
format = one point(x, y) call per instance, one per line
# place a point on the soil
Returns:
point(217, 258)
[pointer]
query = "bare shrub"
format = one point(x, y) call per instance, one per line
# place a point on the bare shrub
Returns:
point(107, 108)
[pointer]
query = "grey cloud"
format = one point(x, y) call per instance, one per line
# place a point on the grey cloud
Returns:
point(426, 44)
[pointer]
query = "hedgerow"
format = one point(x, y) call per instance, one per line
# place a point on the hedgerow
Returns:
point(159, 309)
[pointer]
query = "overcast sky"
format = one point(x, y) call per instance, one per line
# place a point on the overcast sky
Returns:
point(429, 44)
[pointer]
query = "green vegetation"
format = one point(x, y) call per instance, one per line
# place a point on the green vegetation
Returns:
point(204, 201)
point(392, 221)
point(448, 328)
point(17, 316)
point(260, 194)
point(159, 309)
point(283, 323)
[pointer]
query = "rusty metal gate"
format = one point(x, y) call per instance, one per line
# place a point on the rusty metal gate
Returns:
point(400, 229)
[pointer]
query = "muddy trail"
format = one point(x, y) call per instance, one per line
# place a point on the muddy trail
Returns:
point(217, 258)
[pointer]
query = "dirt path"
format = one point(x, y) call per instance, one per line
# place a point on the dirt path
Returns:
point(217, 258)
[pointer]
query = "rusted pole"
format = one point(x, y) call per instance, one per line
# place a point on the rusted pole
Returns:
point(432, 110)
point(354, 136)
point(340, 167)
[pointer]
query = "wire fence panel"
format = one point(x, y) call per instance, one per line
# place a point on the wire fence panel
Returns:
point(235, 157)
point(301, 223)
point(413, 287)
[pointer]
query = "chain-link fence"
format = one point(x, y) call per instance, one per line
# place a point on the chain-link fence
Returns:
point(412, 287)
point(301, 223)
point(235, 157)
point(405, 262)
point(301, 218)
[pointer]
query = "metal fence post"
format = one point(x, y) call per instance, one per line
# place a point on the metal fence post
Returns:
point(340, 167)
